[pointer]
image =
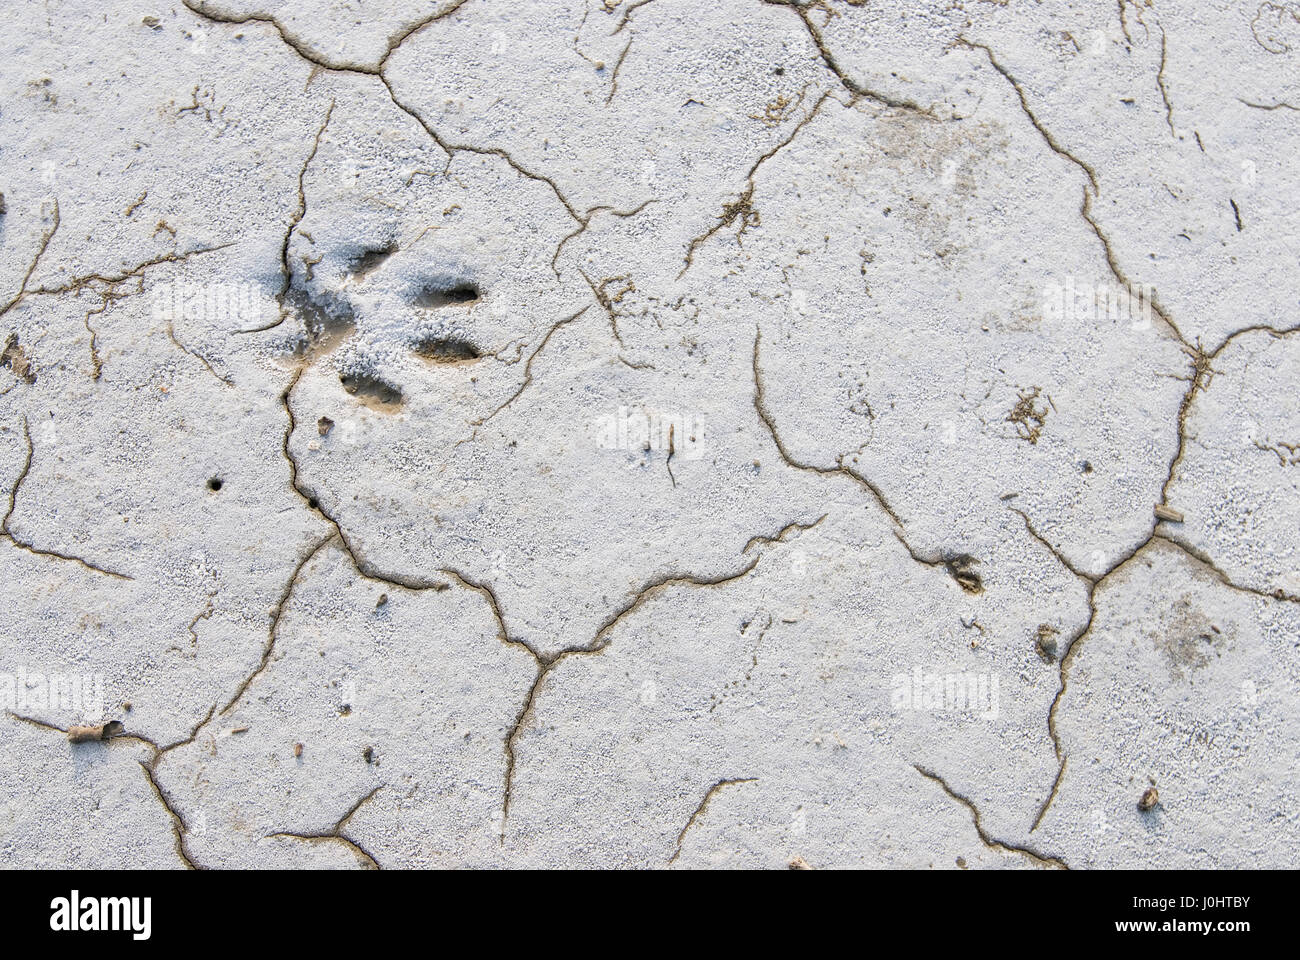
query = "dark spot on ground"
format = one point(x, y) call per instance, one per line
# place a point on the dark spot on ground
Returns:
point(367, 261)
point(447, 350)
point(441, 295)
point(961, 568)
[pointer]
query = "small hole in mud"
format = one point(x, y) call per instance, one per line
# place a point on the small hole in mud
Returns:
point(446, 296)
point(215, 484)
point(447, 350)
point(371, 389)
point(314, 503)
point(325, 320)
point(961, 567)
point(370, 260)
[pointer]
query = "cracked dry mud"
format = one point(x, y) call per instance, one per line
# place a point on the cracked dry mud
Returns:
point(328, 328)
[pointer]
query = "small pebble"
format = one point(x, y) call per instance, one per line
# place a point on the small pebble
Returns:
point(1168, 513)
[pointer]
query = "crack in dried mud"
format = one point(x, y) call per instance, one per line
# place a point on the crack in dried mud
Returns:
point(1039, 859)
point(699, 811)
point(27, 546)
point(335, 833)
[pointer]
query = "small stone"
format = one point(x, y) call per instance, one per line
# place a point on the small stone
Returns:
point(1045, 645)
point(324, 425)
point(1150, 797)
point(1168, 513)
point(16, 360)
point(102, 731)
point(297, 749)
